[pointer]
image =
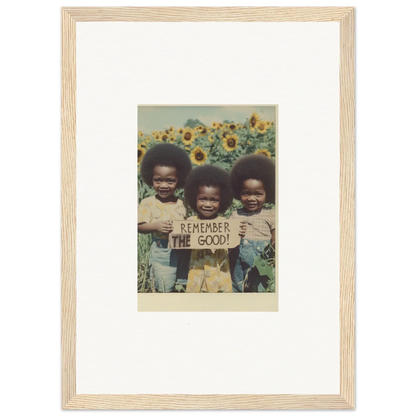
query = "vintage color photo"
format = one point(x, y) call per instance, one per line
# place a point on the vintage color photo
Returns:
point(207, 192)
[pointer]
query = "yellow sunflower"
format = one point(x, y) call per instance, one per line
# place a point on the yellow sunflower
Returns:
point(204, 130)
point(141, 151)
point(263, 152)
point(180, 130)
point(232, 126)
point(198, 156)
point(210, 139)
point(268, 124)
point(148, 139)
point(171, 129)
point(164, 137)
point(188, 136)
point(172, 138)
point(253, 120)
point(158, 137)
point(229, 143)
point(214, 125)
point(142, 144)
point(141, 134)
point(261, 127)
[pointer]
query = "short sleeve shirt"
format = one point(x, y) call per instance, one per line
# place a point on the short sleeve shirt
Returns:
point(152, 210)
point(260, 224)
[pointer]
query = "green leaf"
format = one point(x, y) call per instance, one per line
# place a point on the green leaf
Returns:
point(179, 288)
point(263, 266)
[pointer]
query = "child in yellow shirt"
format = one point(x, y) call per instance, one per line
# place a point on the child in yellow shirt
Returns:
point(208, 193)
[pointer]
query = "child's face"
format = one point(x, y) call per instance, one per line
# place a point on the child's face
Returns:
point(253, 195)
point(164, 181)
point(208, 201)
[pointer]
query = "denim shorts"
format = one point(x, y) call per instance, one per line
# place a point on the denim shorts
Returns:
point(166, 266)
point(248, 251)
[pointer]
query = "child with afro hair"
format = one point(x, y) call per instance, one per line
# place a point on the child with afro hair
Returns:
point(208, 192)
point(165, 168)
point(253, 183)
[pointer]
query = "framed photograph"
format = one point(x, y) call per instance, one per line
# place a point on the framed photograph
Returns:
point(217, 270)
point(233, 250)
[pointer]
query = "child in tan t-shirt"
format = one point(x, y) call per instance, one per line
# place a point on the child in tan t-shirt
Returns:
point(165, 167)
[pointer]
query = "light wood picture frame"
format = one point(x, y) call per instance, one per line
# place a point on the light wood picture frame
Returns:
point(346, 398)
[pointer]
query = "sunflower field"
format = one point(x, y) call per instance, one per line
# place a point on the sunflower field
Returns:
point(219, 144)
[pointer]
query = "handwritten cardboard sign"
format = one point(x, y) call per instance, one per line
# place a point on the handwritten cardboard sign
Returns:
point(205, 234)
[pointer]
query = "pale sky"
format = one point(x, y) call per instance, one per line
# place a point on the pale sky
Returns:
point(160, 118)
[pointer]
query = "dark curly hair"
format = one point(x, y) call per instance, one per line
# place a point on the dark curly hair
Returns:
point(166, 154)
point(257, 167)
point(208, 175)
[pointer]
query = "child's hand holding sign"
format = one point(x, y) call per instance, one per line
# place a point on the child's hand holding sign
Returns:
point(243, 228)
point(165, 227)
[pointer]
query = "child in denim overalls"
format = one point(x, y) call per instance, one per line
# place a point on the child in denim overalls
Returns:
point(253, 182)
point(165, 168)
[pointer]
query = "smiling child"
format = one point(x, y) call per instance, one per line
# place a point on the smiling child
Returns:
point(208, 192)
point(253, 182)
point(165, 167)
